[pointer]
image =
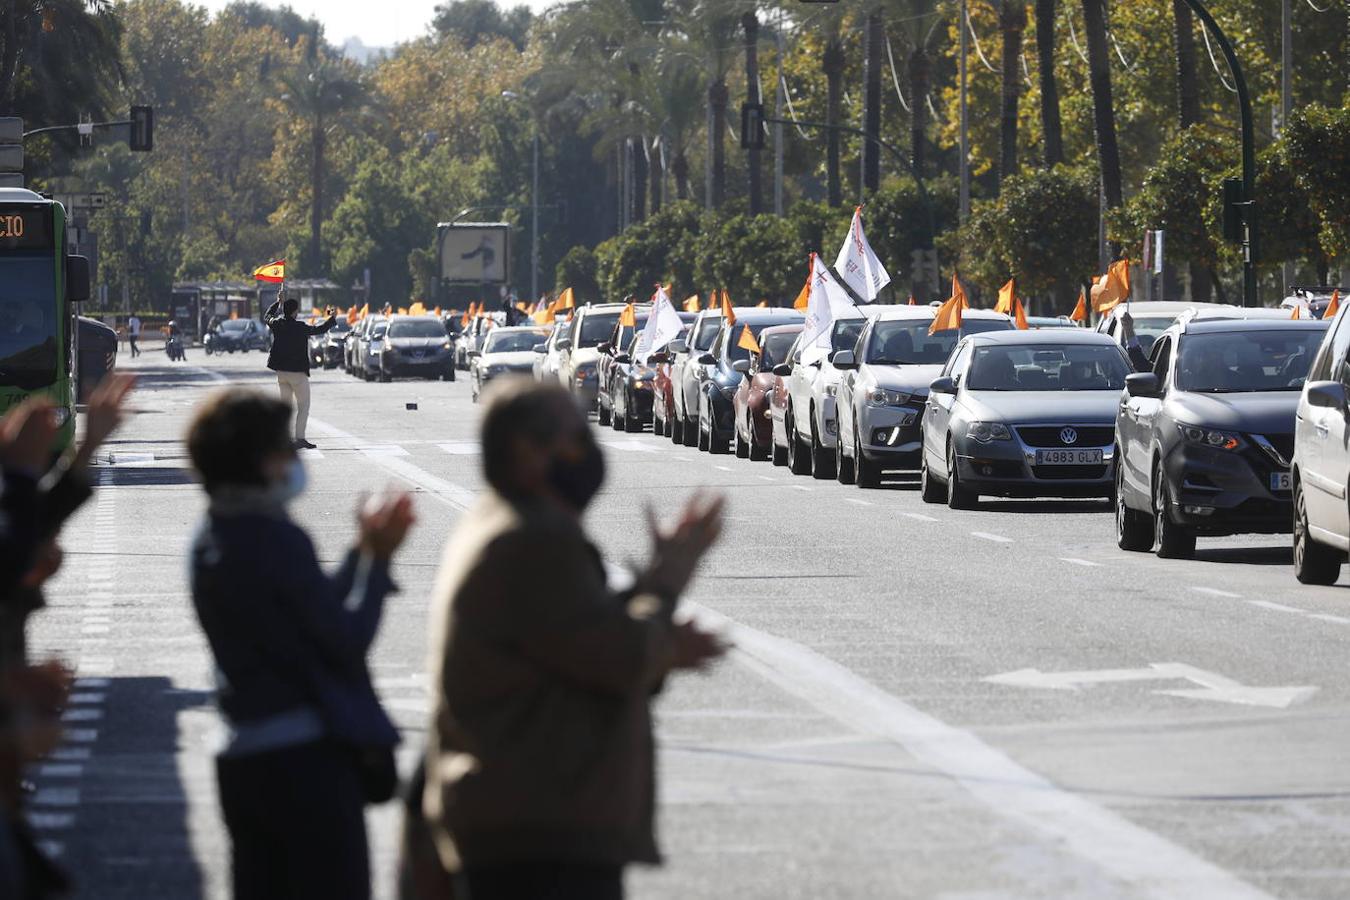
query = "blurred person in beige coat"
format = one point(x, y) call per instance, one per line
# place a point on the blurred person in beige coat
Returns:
point(540, 767)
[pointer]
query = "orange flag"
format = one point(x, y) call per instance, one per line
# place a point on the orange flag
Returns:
point(1007, 295)
point(436, 312)
point(546, 315)
point(804, 298)
point(1080, 312)
point(1334, 306)
point(912, 301)
point(403, 310)
point(417, 309)
point(763, 304)
point(352, 315)
point(628, 318)
point(949, 314)
point(691, 304)
point(747, 340)
point(1020, 315)
point(1295, 313)
point(566, 300)
point(727, 312)
point(1112, 288)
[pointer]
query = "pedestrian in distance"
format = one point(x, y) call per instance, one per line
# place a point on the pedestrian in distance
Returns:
point(539, 771)
point(309, 745)
point(134, 335)
point(289, 357)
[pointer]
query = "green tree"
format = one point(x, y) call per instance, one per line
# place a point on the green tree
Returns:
point(474, 21)
point(1320, 157)
point(577, 270)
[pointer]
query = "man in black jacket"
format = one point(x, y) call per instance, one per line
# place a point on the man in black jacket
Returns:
point(290, 357)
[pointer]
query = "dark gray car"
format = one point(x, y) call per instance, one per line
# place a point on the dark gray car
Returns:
point(1023, 414)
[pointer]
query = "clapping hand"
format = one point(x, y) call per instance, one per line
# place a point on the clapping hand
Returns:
point(384, 523)
point(676, 552)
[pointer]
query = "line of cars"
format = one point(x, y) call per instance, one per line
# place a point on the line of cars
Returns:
point(1190, 419)
point(382, 348)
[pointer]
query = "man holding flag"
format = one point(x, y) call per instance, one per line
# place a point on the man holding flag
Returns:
point(290, 348)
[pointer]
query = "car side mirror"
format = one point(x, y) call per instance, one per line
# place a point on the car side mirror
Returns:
point(623, 359)
point(742, 366)
point(1326, 395)
point(944, 385)
point(605, 347)
point(564, 344)
point(707, 359)
point(473, 353)
point(782, 370)
point(1143, 384)
point(77, 278)
point(541, 348)
point(843, 360)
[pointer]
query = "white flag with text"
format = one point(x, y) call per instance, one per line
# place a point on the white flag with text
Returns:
point(663, 326)
point(828, 301)
point(858, 266)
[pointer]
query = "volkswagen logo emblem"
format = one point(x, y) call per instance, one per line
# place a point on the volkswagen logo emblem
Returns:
point(1068, 436)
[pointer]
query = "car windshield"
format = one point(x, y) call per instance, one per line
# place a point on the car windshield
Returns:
point(27, 322)
point(1048, 367)
point(706, 333)
point(232, 325)
point(906, 342)
point(735, 352)
point(1148, 329)
point(416, 328)
point(378, 331)
point(341, 325)
point(596, 328)
point(1260, 359)
point(514, 341)
point(845, 334)
point(627, 332)
point(776, 347)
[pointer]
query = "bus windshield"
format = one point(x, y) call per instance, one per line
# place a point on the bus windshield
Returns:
point(27, 322)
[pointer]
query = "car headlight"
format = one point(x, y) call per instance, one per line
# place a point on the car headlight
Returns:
point(445, 345)
point(984, 432)
point(1210, 437)
point(883, 397)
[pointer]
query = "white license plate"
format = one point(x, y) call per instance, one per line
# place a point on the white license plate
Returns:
point(1068, 457)
point(1281, 481)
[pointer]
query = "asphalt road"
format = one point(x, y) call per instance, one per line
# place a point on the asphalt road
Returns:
point(853, 745)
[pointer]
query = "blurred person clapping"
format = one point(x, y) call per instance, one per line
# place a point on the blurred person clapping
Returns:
point(540, 771)
point(309, 744)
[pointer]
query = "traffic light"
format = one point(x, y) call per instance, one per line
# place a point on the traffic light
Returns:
point(752, 126)
point(1233, 198)
point(142, 137)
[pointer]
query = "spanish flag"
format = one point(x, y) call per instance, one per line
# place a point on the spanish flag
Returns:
point(628, 318)
point(748, 341)
point(273, 272)
point(1080, 312)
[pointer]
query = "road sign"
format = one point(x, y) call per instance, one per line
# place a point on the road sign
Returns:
point(1212, 687)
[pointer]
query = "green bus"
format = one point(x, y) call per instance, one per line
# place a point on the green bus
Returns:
point(39, 285)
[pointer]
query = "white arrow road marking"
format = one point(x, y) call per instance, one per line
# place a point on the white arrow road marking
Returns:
point(1148, 863)
point(1213, 687)
point(450, 494)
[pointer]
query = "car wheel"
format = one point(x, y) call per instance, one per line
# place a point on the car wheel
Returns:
point(778, 455)
point(1314, 563)
point(704, 444)
point(677, 430)
point(742, 446)
point(799, 460)
point(617, 420)
point(823, 461)
point(602, 415)
point(385, 377)
point(1174, 541)
point(958, 495)
point(843, 465)
point(866, 474)
point(930, 489)
point(1134, 529)
point(691, 431)
point(658, 423)
point(631, 423)
point(757, 453)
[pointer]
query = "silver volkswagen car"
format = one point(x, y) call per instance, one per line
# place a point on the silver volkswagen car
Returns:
point(885, 385)
point(1024, 414)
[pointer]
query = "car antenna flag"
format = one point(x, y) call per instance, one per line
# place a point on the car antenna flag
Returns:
point(747, 341)
point(272, 273)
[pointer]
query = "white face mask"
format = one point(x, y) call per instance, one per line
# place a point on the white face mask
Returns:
point(294, 482)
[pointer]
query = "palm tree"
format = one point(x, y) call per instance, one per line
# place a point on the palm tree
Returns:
point(918, 25)
point(676, 99)
point(1188, 114)
point(750, 25)
point(321, 91)
point(1012, 20)
point(874, 41)
point(1052, 132)
point(712, 28)
point(1103, 114)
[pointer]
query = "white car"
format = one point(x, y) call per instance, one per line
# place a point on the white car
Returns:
point(506, 351)
point(1320, 468)
point(809, 423)
point(578, 350)
point(547, 356)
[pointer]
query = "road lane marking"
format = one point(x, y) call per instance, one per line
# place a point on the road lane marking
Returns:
point(1140, 858)
point(1278, 607)
point(800, 487)
point(1073, 560)
point(60, 770)
point(461, 448)
point(919, 517)
point(764, 478)
point(1212, 686)
point(1328, 617)
point(82, 715)
point(62, 796)
point(50, 821)
point(722, 468)
point(1215, 592)
point(856, 502)
point(452, 495)
point(996, 538)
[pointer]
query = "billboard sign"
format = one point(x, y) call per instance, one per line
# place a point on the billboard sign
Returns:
point(475, 253)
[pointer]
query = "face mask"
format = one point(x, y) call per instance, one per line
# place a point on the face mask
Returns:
point(293, 484)
point(579, 480)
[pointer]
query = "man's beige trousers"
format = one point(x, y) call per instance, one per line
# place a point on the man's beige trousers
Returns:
point(295, 391)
